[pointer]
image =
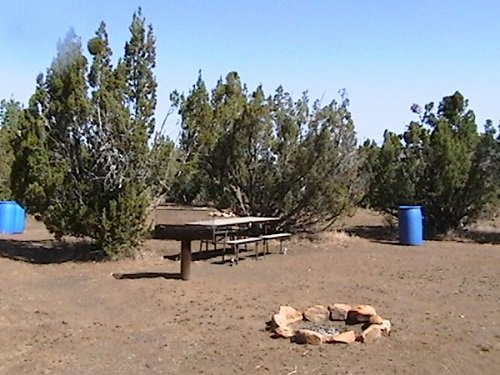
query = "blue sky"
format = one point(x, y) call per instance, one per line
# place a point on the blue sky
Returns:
point(387, 54)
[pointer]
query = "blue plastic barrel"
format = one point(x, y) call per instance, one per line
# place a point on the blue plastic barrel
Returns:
point(8, 211)
point(12, 217)
point(410, 225)
point(20, 222)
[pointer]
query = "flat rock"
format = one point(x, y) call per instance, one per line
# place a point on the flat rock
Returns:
point(279, 320)
point(318, 313)
point(360, 314)
point(338, 311)
point(286, 315)
point(372, 333)
point(306, 336)
point(292, 315)
point(347, 337)
point(364, 310)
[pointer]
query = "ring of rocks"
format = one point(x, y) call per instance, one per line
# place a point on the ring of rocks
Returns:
point(319, 324)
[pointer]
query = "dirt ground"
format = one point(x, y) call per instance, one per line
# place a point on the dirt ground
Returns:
point(74, 317)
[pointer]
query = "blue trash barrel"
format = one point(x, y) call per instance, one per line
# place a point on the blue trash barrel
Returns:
point(410, 225)
point(20, 223)
point(8, 211)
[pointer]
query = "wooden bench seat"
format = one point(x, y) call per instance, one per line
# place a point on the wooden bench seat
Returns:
point(243, 241)
point(274, 236)
point(236, 243)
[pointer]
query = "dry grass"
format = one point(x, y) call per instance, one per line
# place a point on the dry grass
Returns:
point(334, 237)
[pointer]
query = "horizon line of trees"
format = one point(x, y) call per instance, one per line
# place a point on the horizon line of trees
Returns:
point(85, 155)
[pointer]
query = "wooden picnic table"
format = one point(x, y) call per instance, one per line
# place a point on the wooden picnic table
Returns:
point(231, 221)
point(205, 230)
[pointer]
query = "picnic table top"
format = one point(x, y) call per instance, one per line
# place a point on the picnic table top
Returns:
point(221, 222)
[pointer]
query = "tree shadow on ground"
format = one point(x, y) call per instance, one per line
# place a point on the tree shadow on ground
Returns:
point(376, 233)
point(49, 251)
point(388, 235)
point(478, 236)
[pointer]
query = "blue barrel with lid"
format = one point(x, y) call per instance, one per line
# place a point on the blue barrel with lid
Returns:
point(12, 218)
point(7, 217)
point(20, 223)
point(410, 225)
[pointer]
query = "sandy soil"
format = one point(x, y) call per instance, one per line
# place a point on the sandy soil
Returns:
point(73, 317)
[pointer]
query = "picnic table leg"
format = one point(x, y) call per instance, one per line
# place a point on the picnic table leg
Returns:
point(185, 259)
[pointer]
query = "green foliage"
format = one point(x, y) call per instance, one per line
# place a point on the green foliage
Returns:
point(440, 162)
point(31, 177)
point(162, 166)
point(10, 116)
point(197, 139)
point(267, 155)
point(368, 152)
point(123, 221)
point(84, 162)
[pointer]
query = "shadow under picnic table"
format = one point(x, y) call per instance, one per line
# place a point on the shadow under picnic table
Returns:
point(147, 275)
point(215, 256)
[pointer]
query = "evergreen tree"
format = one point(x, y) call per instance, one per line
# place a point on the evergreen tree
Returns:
point(270, 156)
point(10, 118)
point(50, 152)
point(198, 137)
point(83, 162)
point(441, 163)
point(124, 222)
point(49, 165)
point(140, 60)
point(235, 164)
point(325, 181)
point(126, 99)
point(67, 116)
point(31, 178)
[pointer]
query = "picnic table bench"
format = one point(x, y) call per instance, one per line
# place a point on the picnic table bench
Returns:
point(275, 236)
point(243, 241)
point(264, 238)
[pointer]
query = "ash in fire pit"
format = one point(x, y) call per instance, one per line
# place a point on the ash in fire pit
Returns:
point(327, 328)
point(319, 324)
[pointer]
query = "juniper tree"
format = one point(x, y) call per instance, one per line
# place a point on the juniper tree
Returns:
point(83, 161)
point(10, 117)
point(270, 155)
point(441, 162)
point(198, 137)
point(67, 116)
point(107, 136)
point(31, 179)
point(324, 182)
point(50, 153)
point(235, 165)
point(126, 99)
